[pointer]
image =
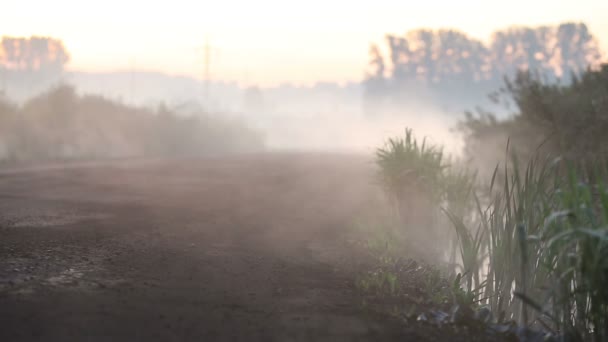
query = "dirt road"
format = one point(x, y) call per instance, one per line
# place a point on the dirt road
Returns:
point(245, 249)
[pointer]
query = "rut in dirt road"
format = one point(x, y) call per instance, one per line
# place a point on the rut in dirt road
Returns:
point(248, 248)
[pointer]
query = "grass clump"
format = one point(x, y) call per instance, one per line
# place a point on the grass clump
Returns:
point(419, 180)
point(539, 255)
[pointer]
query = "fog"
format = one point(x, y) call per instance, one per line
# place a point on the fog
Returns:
point(423, 80)
point(285, 119)
point(354, 132)
point(141, 205)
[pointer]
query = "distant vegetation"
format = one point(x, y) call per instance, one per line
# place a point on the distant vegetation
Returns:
point(31, 65)
point(34, 54)
point(439, 70)
point(457, 70)
point(61, 124)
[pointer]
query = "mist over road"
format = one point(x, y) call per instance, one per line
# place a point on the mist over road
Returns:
point(240, 248)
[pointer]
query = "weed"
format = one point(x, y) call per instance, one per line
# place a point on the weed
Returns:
point(541, 248)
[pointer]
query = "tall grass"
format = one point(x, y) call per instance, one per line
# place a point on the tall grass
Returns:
point(419, 180)
point(408, 167)
point(531, 245)
point(540, 252)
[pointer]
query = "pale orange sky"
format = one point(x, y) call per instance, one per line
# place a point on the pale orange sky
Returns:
point(269, 41)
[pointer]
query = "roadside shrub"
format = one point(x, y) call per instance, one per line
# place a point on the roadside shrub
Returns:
point(419, 180)
point(531, 246)
point(62, 125)
point(567, 119)
point(538, 254)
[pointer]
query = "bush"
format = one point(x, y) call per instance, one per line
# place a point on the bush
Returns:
point(569, 120)
point(419, 180)
point(60, 124)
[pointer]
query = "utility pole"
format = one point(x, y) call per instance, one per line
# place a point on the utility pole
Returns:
point(207, 75)
point(132, 81)
point(208, 50)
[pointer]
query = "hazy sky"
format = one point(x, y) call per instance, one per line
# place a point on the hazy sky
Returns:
point(266, 41)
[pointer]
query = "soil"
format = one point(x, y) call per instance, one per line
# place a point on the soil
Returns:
point(249, 248)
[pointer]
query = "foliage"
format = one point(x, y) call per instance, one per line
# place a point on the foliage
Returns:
point(459, 69)
point(569, 120)
point(541, 249)
point(407, 166)
point(61, 124)
point(32, 54)
point(420, 180)
point(532, 244)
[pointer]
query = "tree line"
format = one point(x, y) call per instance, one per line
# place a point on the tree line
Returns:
point(63, 125)
point(456, 67)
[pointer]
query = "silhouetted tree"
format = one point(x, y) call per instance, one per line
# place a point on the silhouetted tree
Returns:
point(40, 54)
point(457, 67)
point(30, 65)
